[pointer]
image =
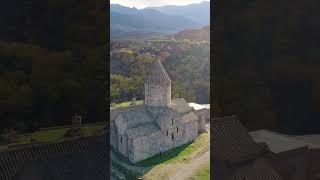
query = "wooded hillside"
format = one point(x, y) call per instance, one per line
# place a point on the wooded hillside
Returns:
point(52, 62)
point(202, 34)
point(188, 66)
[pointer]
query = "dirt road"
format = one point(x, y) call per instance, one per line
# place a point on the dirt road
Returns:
point(189, 170)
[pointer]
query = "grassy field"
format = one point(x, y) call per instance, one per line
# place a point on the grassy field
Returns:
point(204, 172)
point(126, 103)
point(55, 134)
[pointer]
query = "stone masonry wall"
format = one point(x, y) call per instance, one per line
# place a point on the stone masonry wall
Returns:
point(191, 129)
point(157, 95)
point(113, 136)
point(173, 136)
point(202, 115)
point(144, 147)
point(123, 144)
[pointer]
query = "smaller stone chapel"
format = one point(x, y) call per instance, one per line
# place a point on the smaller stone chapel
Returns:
point(160, 124)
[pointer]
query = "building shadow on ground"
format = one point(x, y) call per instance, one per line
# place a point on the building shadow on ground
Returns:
point(122, 168)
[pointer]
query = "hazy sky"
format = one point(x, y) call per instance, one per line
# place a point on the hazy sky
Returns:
point(153, 3)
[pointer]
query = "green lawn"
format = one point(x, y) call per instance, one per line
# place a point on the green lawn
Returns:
point(56, 134)
point(203, 173)
point(176, 154)
point(51, 135)
point(126, 103)
point(92, 129)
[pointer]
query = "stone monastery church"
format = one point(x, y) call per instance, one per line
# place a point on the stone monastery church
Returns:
point(160, 124)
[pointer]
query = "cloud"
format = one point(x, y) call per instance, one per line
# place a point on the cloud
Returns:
point(153, 3)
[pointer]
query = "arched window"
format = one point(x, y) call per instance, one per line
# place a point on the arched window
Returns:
point(177, 130)
point(167, 133)
point(121, 139)
point(172, 136)
point(171, 121)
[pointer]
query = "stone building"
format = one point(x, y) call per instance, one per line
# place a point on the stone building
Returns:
point(261, 154)
point(203, 112)
point(160, 124)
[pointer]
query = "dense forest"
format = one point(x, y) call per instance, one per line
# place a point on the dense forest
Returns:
point(52, 62)
point(266, 64)
point(187, 64)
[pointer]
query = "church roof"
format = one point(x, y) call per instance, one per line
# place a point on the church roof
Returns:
point(180, 105)
point(85, 165)
point(243, 157)
point(145, 130)
point(115, 111)
point(158, 74)
point(260, 168)
point(313, 140)
point(136, 117)
point(20, 159)
point(177, 106)
point(277, 142)
point(232, 140)
point(189, 117)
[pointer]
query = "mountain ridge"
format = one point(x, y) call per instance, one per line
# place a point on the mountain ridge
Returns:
point(198, 12)
point(129, 22)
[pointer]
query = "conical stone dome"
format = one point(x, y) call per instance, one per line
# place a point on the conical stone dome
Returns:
point(158, 75)
point(157, 86)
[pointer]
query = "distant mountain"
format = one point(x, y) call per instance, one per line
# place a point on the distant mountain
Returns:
point(199, 13)
point(123, 10)
point(202, 34)
point(126, 21)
